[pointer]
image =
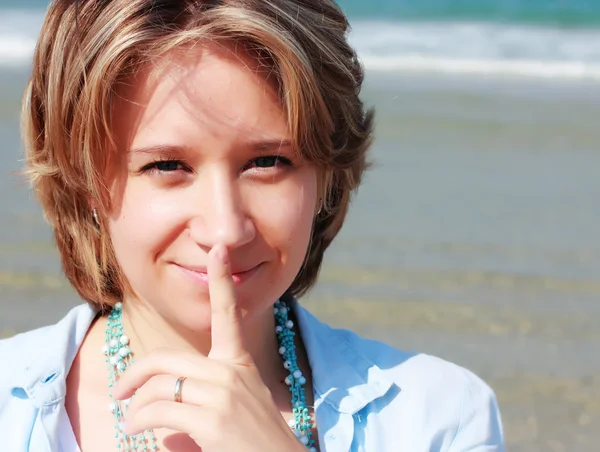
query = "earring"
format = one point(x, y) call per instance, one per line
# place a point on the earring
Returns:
point(95, 216)
point(320, 207)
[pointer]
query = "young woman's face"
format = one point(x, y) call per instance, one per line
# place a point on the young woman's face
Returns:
point(205, 160)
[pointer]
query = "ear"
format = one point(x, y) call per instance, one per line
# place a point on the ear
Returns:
point(92, 203)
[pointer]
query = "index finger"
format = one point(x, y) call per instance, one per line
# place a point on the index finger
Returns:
point(226, 321)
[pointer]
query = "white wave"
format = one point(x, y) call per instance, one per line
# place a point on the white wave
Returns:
point(18, 34)
point(472, 40)
point(16, 51)
point(517, 68)
point(478, 48)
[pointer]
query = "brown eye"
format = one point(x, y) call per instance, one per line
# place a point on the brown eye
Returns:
point(168, 165)
point(266, 162)
point(269, 161)
point(164, 166)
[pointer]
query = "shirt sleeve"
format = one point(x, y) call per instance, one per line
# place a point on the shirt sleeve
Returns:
point(480, 426)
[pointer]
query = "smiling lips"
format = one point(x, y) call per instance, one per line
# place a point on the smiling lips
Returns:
point(200, 274)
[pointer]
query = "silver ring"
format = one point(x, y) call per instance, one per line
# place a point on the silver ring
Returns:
point(178, 385)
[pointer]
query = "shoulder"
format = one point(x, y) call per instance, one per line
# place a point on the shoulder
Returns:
point(413, 370)
point(414, 373)
point(442, 396)
point(48, 347)
point(39, 362)
point(78, 318)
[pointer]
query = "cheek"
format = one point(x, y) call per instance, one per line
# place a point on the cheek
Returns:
point(286, 217)
point(144, 220)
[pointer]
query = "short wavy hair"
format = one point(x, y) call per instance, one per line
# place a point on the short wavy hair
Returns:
point(88, 47)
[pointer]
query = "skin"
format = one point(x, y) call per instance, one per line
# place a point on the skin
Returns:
point(212, 215)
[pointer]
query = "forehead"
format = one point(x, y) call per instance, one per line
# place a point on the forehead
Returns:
point(207, 93)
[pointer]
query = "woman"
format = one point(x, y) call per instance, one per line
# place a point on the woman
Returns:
point(195, 159)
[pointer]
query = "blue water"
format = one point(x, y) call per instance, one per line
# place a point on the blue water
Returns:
point(558, 39)
point(549, 12)
point(561, 12)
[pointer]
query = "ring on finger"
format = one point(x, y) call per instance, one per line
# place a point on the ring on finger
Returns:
point(178, 386)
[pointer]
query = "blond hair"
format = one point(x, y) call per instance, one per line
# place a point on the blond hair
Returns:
point(87, 47)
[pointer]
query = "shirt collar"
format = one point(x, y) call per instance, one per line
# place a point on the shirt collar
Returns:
point(52, 350)
point(342, 376)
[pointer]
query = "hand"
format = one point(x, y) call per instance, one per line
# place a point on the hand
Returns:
point(225, 405)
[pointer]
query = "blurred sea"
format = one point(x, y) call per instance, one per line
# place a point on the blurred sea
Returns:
point(476, 234)
point(535, 38)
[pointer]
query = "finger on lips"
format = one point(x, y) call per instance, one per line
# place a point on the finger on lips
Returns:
point(226, 325)
point(209, 380)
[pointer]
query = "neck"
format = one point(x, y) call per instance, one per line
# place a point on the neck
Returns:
point(148, 330)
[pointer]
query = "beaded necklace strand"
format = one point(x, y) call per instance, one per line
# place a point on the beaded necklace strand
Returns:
point(119, 357)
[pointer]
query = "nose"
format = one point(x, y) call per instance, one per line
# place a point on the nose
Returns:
point(221, 216)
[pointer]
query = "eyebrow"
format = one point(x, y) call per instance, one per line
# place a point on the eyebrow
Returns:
point(173, 149)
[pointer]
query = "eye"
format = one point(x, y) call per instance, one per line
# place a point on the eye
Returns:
point(164, 166)
point(269, 161)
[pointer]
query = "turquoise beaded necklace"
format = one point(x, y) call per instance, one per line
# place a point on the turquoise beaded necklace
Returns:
point(119, 357)
point(302, 422)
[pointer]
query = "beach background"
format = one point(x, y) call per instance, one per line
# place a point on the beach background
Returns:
point(476, 234)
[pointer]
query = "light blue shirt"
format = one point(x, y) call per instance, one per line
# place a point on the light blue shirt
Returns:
point(369, 397)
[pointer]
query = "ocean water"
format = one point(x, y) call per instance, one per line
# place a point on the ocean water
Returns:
point(533, 38)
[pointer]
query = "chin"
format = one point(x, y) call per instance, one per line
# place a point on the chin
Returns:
point(194, 316)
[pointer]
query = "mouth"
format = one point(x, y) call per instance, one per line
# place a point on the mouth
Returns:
point(200, 275)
